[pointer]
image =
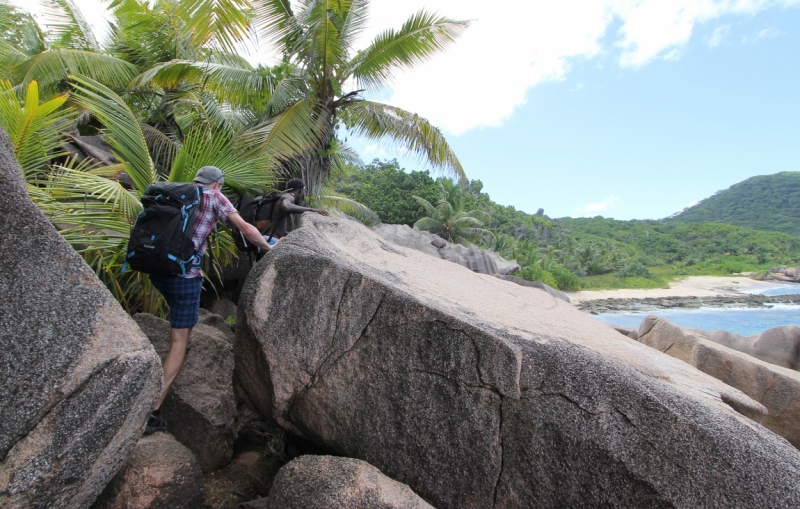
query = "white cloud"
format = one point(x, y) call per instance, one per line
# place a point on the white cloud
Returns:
point(718, 35)
point(767, 33)
point(592, 209)
point(512, 46)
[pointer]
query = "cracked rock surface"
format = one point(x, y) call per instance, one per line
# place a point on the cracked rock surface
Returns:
point(78, 377)
point(479, 393)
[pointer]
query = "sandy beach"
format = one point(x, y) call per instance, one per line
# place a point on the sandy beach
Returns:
point(694, 286)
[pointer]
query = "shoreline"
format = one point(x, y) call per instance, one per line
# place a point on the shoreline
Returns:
point(691, 293)
point(692, 286)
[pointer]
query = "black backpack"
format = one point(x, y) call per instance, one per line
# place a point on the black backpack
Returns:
point(161, 238)
point(252, 210)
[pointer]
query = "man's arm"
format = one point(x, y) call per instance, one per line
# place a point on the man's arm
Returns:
point(288, 206)
point(249, 231)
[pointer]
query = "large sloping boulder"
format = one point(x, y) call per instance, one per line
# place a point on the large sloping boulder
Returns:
point(160, 474)
point(471, 257)
point(78, 377)
point(775, 387)
point(478, 393)
point(324, 482)
point(200, 408)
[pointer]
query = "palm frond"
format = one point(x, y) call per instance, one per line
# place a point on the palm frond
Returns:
point(350, 207)
point(163, 149)
point(84, 190)
point(33, 127)
point(227, 83)
point(423, 35)
point(245, 169)
point(274, 20)
point(355, 16)
point(55, 66)
point(379, 121)
point(10, 58)
point(429, 208)
point(122, 129)
point(66, 26)
point(216, 23)
point(293, 132)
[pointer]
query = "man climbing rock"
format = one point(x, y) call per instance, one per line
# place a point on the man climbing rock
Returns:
point(274, 224)
point(182, 292)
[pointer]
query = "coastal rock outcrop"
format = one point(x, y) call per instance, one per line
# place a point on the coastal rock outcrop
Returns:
point(778, 345)
point(78, 377)
point(782, 273)
point(777, 388)
point(160, 474)
point(322, 482)
point(481, 394)
point(472, 257)
point(200, 408)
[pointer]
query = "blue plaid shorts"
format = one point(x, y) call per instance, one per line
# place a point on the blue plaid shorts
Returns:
point(183, 297)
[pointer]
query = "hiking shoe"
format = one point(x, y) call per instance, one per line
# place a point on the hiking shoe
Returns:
point(155, 423)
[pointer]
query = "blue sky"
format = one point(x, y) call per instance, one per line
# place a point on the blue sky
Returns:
point(621, 108)
point(643, 141)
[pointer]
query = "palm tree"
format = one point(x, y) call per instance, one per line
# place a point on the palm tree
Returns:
point(309, 91)
point(48, 55)
point(449, 221)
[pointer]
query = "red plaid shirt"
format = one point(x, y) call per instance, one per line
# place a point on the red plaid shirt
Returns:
point(215, 208)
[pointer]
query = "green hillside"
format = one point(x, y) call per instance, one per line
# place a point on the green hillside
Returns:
point(766, 202)
point(581, 252)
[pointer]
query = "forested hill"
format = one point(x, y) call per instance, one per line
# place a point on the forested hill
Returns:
point(571, 253)
point(766, 202)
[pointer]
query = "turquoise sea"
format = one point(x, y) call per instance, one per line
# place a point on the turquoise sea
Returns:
point(746, 322)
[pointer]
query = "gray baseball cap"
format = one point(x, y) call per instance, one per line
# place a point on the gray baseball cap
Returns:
point(209, 174)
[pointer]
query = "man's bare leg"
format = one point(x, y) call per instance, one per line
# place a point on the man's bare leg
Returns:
point(178, 340)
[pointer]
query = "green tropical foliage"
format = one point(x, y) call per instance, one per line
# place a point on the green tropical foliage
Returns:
point(449, 220)
point(66, 45)
point(308, 94)
point(169, 93)
point(584, 252)
point(389, 191)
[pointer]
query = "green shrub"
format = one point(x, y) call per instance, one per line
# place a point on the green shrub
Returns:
point(634, 269)
point(565, 279)
point(537, 273)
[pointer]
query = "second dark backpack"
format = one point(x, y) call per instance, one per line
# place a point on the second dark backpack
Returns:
point(253, 210)
point(161, 238)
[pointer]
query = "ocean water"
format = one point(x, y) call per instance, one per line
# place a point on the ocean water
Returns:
point(746, 322)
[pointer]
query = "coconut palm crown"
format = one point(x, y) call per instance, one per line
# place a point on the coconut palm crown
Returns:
point(317, 40)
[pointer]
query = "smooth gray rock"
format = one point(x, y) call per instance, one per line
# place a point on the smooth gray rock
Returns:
point(775, 387)
point(160, 474)
point(471, 257)
point(78, 377)
point(477, 393)
point(325, 482)
point(200, 408)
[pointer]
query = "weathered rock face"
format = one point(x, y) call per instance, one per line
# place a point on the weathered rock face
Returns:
point(160, 474)
point(78, 377)
point(775, 387)
point(200, 408)
point(322, 482)
point(472, 257)
point(478, 393)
